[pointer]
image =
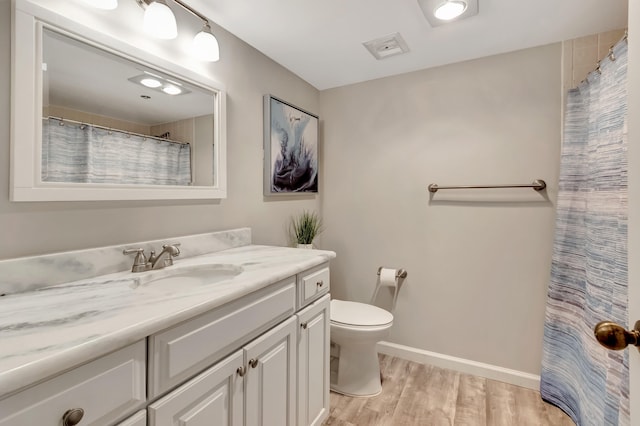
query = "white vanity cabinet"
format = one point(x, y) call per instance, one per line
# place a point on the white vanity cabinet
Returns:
point(279, 378)
point(261, 359)
point(313, 363)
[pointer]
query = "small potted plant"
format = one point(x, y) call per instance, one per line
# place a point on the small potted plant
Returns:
point(304, 228)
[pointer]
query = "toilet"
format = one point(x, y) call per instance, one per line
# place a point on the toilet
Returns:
point(356, 328)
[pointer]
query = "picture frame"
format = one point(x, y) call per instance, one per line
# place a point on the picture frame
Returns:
point(290, 149)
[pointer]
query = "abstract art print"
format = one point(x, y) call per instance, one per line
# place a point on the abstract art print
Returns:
point(290, 149)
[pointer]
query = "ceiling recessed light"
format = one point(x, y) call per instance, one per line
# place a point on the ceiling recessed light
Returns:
point(444, 12)
point(171, 90)
point(150, 82)
point(450, 9)
point(160, 84)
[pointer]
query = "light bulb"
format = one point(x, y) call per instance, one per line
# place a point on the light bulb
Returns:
point(160, 21)
point(450, 10)
point(150, 82)
point(205, 45)
point(103, 4)
point(171, 90)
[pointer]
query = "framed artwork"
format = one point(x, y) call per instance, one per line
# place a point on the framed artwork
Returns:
point(290, 149)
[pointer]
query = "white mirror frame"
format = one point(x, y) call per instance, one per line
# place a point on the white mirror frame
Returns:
point(26, 184)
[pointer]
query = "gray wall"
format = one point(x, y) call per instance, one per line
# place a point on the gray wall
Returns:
point(478, 261)
point(35, 228)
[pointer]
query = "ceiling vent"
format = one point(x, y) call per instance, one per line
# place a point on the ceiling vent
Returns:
point(387, 46)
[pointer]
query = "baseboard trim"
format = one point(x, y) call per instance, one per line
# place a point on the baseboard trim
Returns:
point(493, 372)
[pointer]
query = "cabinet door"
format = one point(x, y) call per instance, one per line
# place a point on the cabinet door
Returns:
point(313, 363)
point(214, 397)
point(270, 381)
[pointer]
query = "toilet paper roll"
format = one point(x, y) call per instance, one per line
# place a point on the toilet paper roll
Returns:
point(388, 277)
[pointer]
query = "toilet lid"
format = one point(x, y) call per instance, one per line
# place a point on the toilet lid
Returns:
point(355, 313)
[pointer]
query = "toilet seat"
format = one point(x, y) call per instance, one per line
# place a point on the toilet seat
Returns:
point(359, 314)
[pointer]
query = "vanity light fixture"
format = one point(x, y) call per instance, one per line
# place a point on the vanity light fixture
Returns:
point(103, 4)
point(443, 12)
point(160, 21)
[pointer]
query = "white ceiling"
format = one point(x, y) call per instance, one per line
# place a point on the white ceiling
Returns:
point(321, 41)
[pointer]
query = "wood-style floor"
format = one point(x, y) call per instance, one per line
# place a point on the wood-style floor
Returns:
point(417, 394)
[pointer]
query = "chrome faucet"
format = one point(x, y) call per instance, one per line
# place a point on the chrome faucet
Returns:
point(164, 259)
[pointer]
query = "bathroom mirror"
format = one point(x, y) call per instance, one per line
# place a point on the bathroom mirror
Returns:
point(95, 119)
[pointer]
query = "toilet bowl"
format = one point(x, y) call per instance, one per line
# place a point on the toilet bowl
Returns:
point(357, 328)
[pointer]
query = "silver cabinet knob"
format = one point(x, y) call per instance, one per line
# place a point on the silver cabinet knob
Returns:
point(320, 283)
point(303, 325)
point(241, 371)
point(253, 363)
point(72, 417)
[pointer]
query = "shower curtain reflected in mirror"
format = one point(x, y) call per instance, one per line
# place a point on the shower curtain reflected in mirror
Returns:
point(589, 265)
point(81, 153)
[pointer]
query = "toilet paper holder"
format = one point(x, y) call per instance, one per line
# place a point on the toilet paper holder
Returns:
point(400, 273)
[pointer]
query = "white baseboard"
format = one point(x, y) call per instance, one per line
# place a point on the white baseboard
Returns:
point(462, 365)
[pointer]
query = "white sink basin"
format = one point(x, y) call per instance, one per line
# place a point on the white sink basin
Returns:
point(181, 278)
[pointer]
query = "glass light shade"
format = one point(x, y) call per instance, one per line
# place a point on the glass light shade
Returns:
point(171, 90)
point(103, 4)
point(450, 10)
point(160, 21)
point(205, 46)
point(150, 82)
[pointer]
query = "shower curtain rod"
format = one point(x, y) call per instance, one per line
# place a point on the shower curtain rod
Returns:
point(109, 129)
point(611, 56)
point(537, 185)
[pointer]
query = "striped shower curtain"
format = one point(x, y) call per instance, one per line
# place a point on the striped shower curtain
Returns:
point(77, 153)
point(589, 265)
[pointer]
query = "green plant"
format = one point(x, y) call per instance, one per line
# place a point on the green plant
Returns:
point(305, 227)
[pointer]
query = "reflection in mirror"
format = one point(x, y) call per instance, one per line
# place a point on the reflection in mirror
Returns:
point(110, 120)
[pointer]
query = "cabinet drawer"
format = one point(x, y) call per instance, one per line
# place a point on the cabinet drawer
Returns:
point(106, 389)
point(181, 352)
point(312, 284)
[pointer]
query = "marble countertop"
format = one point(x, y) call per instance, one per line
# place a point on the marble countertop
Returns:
point(53, 329)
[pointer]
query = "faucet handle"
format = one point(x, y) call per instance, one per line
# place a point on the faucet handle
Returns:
point(140, 263)
point(175, 251)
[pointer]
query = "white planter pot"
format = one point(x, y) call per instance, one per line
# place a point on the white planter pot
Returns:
point(305, 246)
